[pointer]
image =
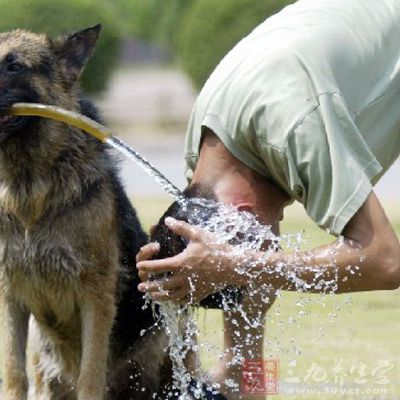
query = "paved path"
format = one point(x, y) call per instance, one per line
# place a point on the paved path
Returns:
point(149, 109)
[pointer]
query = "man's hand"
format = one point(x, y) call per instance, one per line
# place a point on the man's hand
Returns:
point(201, 269)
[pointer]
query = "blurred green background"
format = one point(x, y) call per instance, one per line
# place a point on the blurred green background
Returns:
point(194, 33)
point(151, 60)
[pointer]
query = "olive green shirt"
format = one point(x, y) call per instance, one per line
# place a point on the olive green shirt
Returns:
point(311, 100)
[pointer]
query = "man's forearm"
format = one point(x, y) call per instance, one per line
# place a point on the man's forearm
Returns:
point(367, 257)
point(339, 267)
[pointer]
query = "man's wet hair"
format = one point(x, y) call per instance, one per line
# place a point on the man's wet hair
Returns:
point(172, 244)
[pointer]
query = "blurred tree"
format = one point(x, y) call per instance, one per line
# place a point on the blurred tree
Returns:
point(155, 21)
point(210, 28)
point(58, 16)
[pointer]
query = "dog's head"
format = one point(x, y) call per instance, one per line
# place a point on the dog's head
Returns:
point(36, 68)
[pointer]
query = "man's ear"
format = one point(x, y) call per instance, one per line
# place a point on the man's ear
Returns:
point(244, 207)
point(74, 50)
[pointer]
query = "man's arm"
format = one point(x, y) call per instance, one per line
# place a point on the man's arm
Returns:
point(368, 242)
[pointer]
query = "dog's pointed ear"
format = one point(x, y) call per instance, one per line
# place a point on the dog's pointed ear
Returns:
point(73, 51)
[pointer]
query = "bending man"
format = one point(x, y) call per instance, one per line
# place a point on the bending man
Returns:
point(304, 108)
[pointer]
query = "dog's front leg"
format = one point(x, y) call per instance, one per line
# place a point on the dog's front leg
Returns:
point(97, 314)
point(14, 328)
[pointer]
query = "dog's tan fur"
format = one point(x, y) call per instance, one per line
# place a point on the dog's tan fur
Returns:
point(61, 211)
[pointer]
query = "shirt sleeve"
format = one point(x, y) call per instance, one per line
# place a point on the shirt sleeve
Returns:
point(329, 164)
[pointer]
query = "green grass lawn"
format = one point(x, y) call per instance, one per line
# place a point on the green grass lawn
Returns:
point(345, 341)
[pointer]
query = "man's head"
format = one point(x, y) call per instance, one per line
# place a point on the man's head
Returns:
point(222, 178)
point(200, 204)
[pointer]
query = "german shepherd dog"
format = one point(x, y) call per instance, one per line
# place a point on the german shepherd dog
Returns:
point(68, 240)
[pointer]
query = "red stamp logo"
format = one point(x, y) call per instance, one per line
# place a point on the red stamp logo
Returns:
point(260, 377)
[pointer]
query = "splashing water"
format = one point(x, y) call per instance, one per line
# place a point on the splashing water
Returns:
point(226, 225)
point(241, 229)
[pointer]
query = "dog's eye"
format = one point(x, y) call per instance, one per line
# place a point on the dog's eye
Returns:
point(15, 67)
